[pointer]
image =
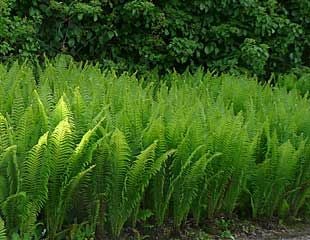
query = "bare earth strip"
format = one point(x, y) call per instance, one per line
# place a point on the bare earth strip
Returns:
point(297, 232)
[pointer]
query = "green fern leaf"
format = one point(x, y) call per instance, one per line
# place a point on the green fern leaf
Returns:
point(5, 139)
point(60, 148)
point(34, 181)
point(2, 230)
point(15, 213)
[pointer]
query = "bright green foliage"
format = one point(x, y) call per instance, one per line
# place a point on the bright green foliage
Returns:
point(85, 149)
point(2, 230)
point(297, 78)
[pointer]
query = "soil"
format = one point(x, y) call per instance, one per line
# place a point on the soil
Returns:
point(224, 229)
point(300, 231)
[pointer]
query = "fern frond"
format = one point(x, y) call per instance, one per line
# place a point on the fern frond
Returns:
point(61, 112)
point(80, 114)
point(139, 175)
point(188, 187)
point(18, 107)
point(25, 135)
point(14, 212)
point(119, 160)
point(12, 169)
point(82, 154)
point(60, 148)
point(300, 188)
point(5, 139)
point(172, 180)
point(66, 196)
point(43, 118)
point(46, 95)
point(3, 235)
point(34, 181)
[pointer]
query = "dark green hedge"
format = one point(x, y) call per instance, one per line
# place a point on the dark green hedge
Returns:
point(259, 36)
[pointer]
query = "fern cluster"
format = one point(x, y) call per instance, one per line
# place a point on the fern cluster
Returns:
point(81, 148)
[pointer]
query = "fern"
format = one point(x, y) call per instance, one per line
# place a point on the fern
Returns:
point(190, 145)
point(82, 154)
point(69, 166)
point(18, 107)
point(60, 149)
point(299, 191)
point(15, 212)
point(9, 160)
point(34, 181)
point(25, 135)
point(273, 178)
point(67, 192)
point(188, 188)
point(5, 139)
point(119, 161)
point(43, 118)
point(129, 179)
point(79, 113)
point(2, 230)
point(61, 112)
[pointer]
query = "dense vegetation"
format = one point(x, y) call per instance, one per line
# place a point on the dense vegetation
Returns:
point(259, 36)
point(85, 152)
point(92, 151)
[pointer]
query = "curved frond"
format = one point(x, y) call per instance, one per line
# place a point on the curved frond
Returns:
point(5, 139)
point(60, 148)
point(14, 212)
point(61, 112)
point(3, 235)
point(82, 154)
point(34, 175)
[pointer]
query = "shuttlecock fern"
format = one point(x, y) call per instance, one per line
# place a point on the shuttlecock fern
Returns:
point(5, 138)
point(60, 149)
point(82, 147)
point(69, 166)
point(15, 213)
point(3, 235)
point(34, 182)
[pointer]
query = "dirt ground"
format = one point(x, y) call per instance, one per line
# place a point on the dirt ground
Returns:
point(269, 231)
point(295, 232)
point(246, 230)
point(224, 229)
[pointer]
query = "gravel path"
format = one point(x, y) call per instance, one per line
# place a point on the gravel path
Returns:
point(297, 232)
point(300, 234)
point(295, 237)
point(298, 238)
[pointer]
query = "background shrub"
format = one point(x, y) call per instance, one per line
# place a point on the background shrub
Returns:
point(249, 35)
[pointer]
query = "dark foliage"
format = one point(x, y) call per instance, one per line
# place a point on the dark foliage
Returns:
point(255, 36)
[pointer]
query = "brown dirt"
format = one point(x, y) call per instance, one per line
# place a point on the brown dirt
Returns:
point(223, 229)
